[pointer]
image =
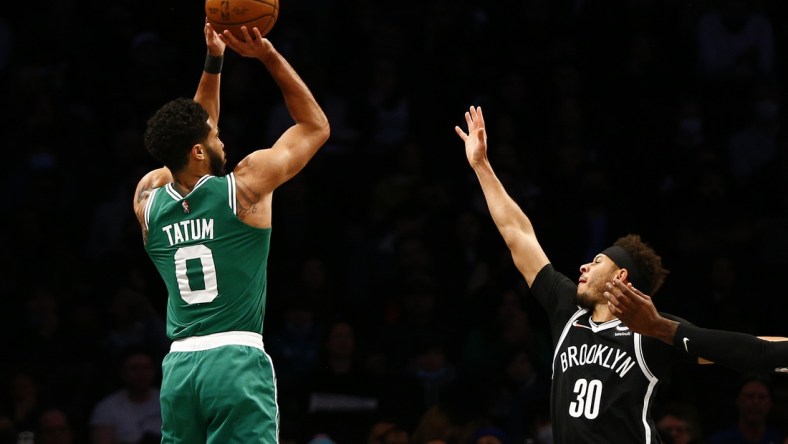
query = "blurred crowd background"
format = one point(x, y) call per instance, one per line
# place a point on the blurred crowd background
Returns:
point(394, 311)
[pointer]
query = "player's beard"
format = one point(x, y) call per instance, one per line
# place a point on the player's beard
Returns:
point(591, 296)
point(216, 163)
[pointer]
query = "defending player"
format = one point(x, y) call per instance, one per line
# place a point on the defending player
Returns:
point(605, 374)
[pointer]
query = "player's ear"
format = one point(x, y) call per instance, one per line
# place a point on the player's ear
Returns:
point(622, 274)
point(198, 151)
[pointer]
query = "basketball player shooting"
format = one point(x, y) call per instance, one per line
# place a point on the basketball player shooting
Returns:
point(208, 234)
point(612, 348)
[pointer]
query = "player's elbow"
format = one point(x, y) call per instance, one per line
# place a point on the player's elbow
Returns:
point(317, 131)
point(323, 131)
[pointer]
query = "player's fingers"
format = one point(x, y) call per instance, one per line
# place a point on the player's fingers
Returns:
point(613, 302)
point(640, 294)
point(623, 288)
point(468, 120)
point(460, 133)
point(230, 38)
point(630, 291)
point(209, 31)
point(611, 294)
point(257, 34)
point(616, 295)
point(480, 116)
point(474, 114)
point(245, 32)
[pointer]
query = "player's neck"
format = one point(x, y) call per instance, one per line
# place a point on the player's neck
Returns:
point(184, 182)
point(602, 314)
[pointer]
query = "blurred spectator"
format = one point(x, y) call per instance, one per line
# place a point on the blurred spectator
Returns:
point(387, 108)
point(514, 391)
point(131, 414)
point(321, 438)
point(133, 322)
point(679, 424)
point(736, 49)
point(490, 435)
point(395, 435)
point(735, 41)
point(753, 404)
point(341, 395)
point(414, 313)
point(432, 367)
point(22, 407)
point(378, 429)
point(295, 345)
point(54, 427)
point(755, 145)
point(506, 327)
point(455, 418)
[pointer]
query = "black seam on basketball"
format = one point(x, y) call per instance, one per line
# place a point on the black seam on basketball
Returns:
point(240, 23)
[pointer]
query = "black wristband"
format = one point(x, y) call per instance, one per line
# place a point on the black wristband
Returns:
point(681, 340)
point(213, 64)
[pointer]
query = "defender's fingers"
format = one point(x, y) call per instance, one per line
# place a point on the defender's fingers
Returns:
point(468, 120)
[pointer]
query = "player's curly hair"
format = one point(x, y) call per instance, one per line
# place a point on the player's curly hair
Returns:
point(648, 262)
point(174, 129)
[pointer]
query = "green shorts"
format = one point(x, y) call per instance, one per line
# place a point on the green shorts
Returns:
point(224, 395)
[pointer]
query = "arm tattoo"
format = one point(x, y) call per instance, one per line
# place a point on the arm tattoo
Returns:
point(144, 191)
point(247, 200)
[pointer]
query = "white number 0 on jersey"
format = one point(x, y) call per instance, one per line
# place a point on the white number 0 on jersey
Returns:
point(205, 256)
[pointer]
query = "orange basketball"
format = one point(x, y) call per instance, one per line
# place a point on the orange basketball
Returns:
point(232, 14)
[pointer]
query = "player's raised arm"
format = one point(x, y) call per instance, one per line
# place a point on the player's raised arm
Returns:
point(207, 93)
point(296, 146)
point(512, 223)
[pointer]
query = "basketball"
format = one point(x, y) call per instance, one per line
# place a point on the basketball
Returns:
point(232, 14)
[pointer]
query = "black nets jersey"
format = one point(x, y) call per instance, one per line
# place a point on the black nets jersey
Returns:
point(604, 376)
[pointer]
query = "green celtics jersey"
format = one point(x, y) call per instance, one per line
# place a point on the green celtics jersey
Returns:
point(213, 264)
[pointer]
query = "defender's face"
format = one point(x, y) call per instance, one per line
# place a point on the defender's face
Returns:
point(593, 277)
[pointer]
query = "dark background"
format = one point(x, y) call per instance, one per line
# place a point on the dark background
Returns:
point(605, 117)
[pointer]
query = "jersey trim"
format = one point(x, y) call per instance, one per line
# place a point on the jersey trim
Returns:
point(652, 383)
point(231, 192)
point(170, 187)
point(603, 326)
point(148, 205)
point(565, 332)
point(215, 340)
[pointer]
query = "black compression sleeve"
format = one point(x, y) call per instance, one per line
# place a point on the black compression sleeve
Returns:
point(738, 351)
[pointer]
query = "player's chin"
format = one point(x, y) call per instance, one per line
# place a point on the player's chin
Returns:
point(585, 299)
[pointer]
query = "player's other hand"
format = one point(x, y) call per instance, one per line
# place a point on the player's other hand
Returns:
point(253, 45)
point(632, 306)
point(212, 40)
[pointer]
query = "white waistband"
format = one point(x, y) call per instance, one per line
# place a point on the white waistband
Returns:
point(207, 342)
